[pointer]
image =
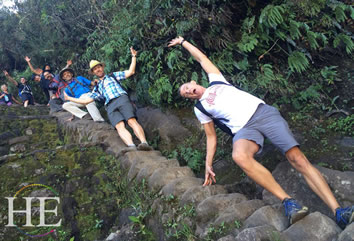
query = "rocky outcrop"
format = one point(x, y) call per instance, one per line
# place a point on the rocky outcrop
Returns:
point(183, 209)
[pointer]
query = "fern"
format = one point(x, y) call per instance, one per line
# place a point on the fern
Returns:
point(339, 12)
point(271, 15)
point(294, 29)
point(248, 42)
point(298, 62)
point(349, 45)
point(161, 91)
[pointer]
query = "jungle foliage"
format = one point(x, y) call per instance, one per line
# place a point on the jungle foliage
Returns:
point(287, 52)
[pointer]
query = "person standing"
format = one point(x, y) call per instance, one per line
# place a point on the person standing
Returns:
point(248, 119)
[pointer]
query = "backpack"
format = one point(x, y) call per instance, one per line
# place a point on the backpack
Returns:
point(217, 121)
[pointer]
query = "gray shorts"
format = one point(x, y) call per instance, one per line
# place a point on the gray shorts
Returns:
point(120, 109)
point(267, 122)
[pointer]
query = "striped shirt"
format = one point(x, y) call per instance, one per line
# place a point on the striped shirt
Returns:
point(108, 88)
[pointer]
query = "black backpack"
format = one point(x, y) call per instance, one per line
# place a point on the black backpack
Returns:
point(217, 121)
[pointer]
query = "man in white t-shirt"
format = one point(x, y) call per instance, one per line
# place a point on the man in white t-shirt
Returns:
point(248, 119)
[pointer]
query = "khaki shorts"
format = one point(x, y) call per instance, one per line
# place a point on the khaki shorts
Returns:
point(267, 122)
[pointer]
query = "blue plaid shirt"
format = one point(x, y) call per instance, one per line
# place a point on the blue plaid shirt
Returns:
point(109, 89)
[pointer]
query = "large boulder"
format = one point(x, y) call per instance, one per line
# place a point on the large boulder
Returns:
point(314, 227)
point(166, 125)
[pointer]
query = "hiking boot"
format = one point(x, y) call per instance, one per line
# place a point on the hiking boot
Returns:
point(344, 216)
point(144, 147)
point(293, 210)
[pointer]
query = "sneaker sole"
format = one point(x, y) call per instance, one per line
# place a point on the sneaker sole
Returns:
point(299, 215)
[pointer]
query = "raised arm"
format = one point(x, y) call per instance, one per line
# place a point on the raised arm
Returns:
point(15, 100)
point(131, 69)
point(211, 149)
point(10, 78)
point(69, 62)
point(36, 71)
point(204, 61)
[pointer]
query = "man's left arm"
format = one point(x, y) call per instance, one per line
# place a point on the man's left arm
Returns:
point(131, 69)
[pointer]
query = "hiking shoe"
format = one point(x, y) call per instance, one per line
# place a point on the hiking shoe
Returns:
point(144, 147)
point(293, 210)
point(344, 216)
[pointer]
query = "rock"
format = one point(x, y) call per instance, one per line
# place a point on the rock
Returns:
point(195, 195)
point(247, 187)
point(159, 162)
point(260, 233)
point(227, 238)
point(347, 141)
point(132, 157)
point(211, 207)
point(125, 234)
point(238, 212)
point(123, 218)
point(14, 165)
point(148, 170)
point(347, 234)
point(163, 176)
point(314, 227)
point(29, 132)
point(166, 125)
point(4, 150)
point(341, 184)
point(18, 148)
point(180, 185)
point(19, 139)
point(267, 215)
point(4, 137)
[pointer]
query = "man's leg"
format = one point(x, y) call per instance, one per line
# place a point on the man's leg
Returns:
point(242, 154)
point(74, 109)
point(92, 109)
point(25, 104)
point(138, 130)
point(312, 176)
point(124, 133)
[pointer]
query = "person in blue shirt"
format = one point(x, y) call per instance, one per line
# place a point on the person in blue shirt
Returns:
point(79, 87)
point(24, 90)
point(117, 103)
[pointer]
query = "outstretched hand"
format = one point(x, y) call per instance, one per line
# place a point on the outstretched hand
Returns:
point(133, 51)
point(209, 176)
point(175, 41)
point(69, 62)
point(5, 73)
point(28, 59)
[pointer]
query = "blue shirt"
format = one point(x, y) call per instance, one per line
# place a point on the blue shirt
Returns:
point(79, 86)
point(108, 88)
point(24, 89)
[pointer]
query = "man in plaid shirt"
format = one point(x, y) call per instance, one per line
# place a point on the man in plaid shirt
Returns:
point(117, 103)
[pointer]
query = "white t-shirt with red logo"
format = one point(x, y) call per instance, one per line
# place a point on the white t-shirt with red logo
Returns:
point(228, 102)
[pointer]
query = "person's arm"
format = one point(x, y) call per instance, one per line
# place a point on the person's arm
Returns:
point(79, 101)
point(36, 71)
point(204, 61)
point(10, 78)
point(131, 69)
point(69, 62)
point(15, 100)
point(211, 149)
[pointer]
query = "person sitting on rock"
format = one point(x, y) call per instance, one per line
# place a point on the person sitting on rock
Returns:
point(79, 87)
point(248, 119)
point(57, 87)
point(24, 90)
point(6, 98)
point(117, 103)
